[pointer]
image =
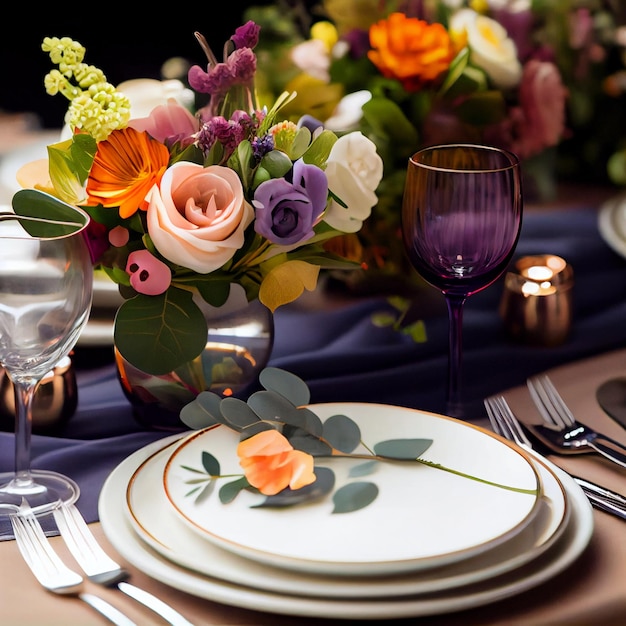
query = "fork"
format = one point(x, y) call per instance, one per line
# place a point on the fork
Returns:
point(504, 423)
point(50, 571)
point(102, 569)
point(562, 432)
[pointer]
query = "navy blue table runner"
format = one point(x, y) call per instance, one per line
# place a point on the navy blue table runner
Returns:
point(343, 357)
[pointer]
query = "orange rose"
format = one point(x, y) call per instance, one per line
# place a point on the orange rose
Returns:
point(271, 464)
point(410, 50)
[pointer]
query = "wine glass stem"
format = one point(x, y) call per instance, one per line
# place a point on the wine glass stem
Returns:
point(24, 398)
point(455, 306)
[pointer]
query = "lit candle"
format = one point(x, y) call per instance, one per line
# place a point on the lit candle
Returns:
point(537, 302)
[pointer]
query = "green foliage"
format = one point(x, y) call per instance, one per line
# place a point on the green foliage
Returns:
point(60, 218)
point(338, 437)
point(173, 318)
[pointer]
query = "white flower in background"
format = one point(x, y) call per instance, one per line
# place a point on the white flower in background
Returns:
point(313, 58)
point(354, 170)
point(491, 49)
point(147, 93)
point(348, 112)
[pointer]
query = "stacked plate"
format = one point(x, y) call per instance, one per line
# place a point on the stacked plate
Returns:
point(433, 541)
point(612, 223)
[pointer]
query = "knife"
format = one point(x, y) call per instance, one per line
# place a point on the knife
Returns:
point(601, 492)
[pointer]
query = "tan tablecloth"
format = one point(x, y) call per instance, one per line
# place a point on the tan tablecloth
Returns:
point(592, 591)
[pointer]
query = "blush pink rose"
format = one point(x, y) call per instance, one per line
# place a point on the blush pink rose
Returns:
point(198, 215)
point(542, 96)
point(538, 122)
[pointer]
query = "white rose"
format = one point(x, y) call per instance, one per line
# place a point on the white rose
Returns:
point(349, 111)
point(491, 49)
point(354, 170)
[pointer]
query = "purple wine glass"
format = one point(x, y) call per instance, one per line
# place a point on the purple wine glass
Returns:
point(461, 220)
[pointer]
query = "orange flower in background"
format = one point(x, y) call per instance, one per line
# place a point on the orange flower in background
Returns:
point(126, 167)
point(410, 50)
point(271, 464)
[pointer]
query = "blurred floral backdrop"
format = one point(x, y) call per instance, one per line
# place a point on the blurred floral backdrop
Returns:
point(544, 78)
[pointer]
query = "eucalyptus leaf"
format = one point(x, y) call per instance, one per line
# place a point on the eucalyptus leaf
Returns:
point(354, 496)
point(272, 406)
point(363, 469)
point(342, 433)
point(237, 413)
point(203, 411)
point(304, 441)
point(286, 384)
point(231, 490)
point(210, 464)
point(402, 449)
point(173, 317)
point(324, 484)
point(206, 491)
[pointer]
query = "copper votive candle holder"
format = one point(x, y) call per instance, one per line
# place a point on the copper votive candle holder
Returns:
point(536, 305)
point(55, 401)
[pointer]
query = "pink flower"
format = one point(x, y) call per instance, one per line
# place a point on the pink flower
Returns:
point(246, 36)
point(168, 123)
point(147, 274)
point(238, 69)
point(197, 216)
point(539, 120)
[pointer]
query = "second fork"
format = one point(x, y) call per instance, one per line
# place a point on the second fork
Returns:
point(562, 433)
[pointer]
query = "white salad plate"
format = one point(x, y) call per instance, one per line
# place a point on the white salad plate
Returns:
point(423, 516)
point(155, 523)
point(115, 521)
point(612, 223)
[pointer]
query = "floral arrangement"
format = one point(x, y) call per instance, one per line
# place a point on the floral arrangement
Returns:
point(186, 205)
point(409, 74)
point(280, 440)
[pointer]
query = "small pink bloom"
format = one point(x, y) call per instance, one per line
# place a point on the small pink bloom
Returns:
point(119, 236)
point(148, 275)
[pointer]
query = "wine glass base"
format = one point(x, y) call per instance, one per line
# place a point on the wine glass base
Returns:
point(43, 491)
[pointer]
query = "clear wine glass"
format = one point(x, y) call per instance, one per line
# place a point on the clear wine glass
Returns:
point(46, 280)
point(461, 220)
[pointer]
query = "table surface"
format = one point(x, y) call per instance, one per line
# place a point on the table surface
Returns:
point(329, 340)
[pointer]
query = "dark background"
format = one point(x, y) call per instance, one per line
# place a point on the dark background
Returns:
point(124, 45)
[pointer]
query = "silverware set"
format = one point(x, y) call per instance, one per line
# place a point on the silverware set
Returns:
point(56, 577)
point(561, 433)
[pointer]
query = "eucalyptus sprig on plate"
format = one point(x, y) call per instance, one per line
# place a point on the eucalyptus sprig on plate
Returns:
point(281, 408)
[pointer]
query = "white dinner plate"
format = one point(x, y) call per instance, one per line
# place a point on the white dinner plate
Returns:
point(423, 517)
point(117, 528)
point(160, 528)
point(12, 160)
point(612, 223)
